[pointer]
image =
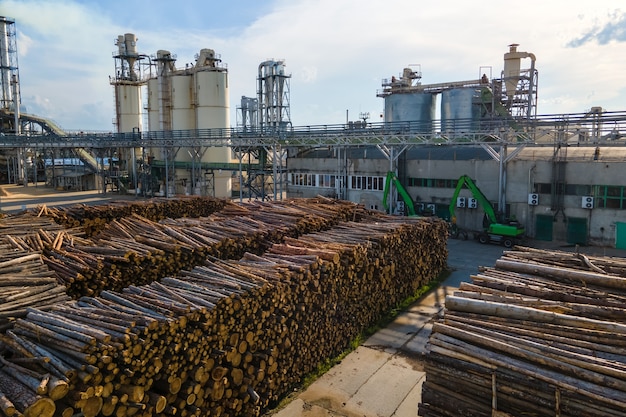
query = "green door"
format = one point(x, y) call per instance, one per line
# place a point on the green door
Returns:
point(620, 235)
point(577, 230)
point(543, 227)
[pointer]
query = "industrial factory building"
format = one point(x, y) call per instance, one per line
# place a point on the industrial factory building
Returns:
point(578, 199)
point(567, 185)
point(560, 177)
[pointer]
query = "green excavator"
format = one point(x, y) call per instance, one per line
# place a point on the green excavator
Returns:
point(408, 203)
point(507, 233)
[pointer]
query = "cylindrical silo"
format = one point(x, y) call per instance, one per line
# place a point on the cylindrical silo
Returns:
point(183, 115)
point(417, 108)
point(212, 112)
point(154, 105)
point(128, 99)
point(212, 109)
point(460, 109)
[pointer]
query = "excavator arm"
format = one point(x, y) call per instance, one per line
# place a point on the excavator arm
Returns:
point(392, 178)
point(478, 195)
point(495, 230)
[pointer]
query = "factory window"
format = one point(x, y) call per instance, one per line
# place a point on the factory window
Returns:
point(304, 180)
point(561, 188)
point(432, 182)
point(610, 196)
point(577, 189)
point(543, 188)
point(327, 181)
point(362, 182)
point(356, 182)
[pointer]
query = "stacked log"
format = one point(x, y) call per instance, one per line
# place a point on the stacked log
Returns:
point(228, 337)
point(25, 281)
point(95, 218)
point(542, 333)
point(135, 250)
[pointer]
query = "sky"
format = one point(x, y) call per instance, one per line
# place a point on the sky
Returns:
point(336, 51)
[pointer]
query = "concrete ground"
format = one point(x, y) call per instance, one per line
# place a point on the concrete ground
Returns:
point(15, 198)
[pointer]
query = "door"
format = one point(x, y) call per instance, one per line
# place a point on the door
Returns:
point(543, 227)
point(577, 230)
point(620, 235)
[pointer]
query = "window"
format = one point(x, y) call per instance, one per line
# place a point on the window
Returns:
point(362, 182)
point(304, 180)
point(562, 188)
point(610, 196)
point(327, 180)
point(432, 182)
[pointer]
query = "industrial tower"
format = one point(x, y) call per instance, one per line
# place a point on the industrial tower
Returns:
point(127, 83)
point(9, 73)
point(273, 96)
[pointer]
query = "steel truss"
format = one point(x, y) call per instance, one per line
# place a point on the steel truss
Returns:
point(595, 128)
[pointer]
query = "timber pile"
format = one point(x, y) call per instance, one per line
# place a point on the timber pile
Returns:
point(134, 250)
point(29, 223)
point(543, 333)
point(25, 281)
point(93, 219)
point(226, 338)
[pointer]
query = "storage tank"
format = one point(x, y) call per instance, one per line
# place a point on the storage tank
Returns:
point(418, 108)
point(213, 112)
point(460, 109)
point(183, 115)
point(153, 105)
point(128, 100)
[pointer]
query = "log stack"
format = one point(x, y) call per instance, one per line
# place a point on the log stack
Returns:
point(222, 336)
point(135, 250)
point(542, 333)
point(93, 219)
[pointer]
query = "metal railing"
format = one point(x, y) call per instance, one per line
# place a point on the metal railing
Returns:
point(607, 128)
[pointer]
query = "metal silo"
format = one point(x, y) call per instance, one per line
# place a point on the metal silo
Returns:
point(127, 84)
point(128, 99)
point(183, 115)
point(418, 108)
point(212, 112)
point(153, 105)
point(212, 102)
point(460, 109)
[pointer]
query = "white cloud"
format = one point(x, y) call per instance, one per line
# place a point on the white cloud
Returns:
point(336, 51)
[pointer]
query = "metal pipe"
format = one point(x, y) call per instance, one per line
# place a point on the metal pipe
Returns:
point(274, 170)
point(502, 180)
point(16, 103)
point(167, 173)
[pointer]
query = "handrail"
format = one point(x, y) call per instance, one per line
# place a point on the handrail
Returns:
point(589, 128)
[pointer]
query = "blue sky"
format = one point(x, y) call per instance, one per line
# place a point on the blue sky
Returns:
point(337, 51)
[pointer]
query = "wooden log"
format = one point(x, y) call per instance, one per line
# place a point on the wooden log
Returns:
point(24, 400)
point(6, 405)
